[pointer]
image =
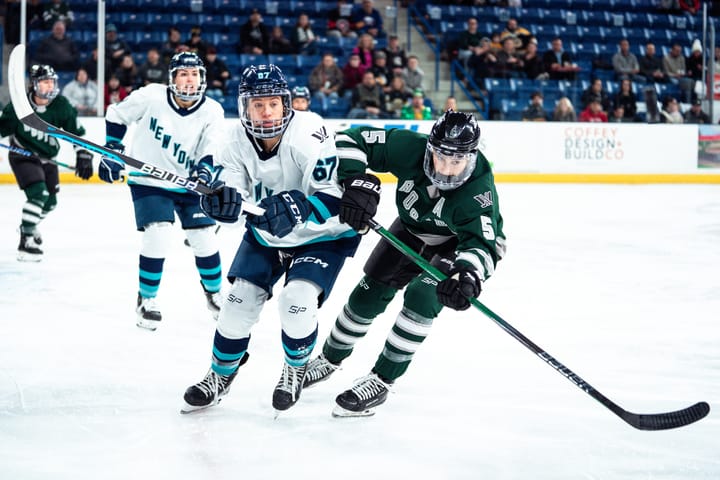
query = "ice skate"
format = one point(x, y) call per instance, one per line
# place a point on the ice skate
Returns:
point(361, 400)
point(148, 314)
point(287, 391)
point(214, 302)
point(28, 250)
point(208, 392)
point(318, 370)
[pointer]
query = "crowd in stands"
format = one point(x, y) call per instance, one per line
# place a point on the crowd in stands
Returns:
point(372, 76)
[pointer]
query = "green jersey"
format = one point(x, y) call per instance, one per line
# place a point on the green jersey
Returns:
point(470, 212)
point(59, 113)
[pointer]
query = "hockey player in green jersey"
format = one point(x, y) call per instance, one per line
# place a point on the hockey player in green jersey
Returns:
point(447, 211)
point(37, 175)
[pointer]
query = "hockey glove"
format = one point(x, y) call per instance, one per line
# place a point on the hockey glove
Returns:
point(83, 164)
point(109, 169)
point(223, 203)
point(359, 201)
point(461, 284)
point(283, 212)
point(202, 172)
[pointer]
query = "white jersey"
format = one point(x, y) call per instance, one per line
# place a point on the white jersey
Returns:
point(305, 160)
point(167, 136)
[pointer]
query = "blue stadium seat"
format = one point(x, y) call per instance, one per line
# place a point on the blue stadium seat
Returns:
point(247, 59)
point(232, 7)
point(287, 63)
point(337, 107)
point(134, 21)
point(511, 109)
point(307, 62)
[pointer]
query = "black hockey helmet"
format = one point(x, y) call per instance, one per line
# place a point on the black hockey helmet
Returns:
point(188, 60)
point(454, 141)
point(300, 92)
point(44, 72)
point(263, 81)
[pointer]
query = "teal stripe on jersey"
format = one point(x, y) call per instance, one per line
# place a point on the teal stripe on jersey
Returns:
point(320, 208)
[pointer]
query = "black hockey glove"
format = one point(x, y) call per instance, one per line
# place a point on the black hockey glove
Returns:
point(283, 212)
point(110, 170)
point(359, 201)
point(461, 284)
point(223, 203)
point(202, 172)
point(83, 164)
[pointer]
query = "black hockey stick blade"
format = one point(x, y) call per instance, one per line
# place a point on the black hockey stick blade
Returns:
point(25, 113)
point(651, 421)
point(666, 421)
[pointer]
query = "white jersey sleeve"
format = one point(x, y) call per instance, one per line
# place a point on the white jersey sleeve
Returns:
point(305, 160)
point(167, 136)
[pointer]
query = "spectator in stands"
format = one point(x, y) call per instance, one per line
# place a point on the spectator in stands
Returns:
point(114, 92)
point(674, 66)
point(127, 73)
point(596, 90)
point(670, 112)
point(416, 109)
point(564, 111)
point(468, 41)
point(326, 80)
point(450, 104)
point(303, 38)
point(651, 65)
point(171, 45)
point(594, 111)
point(717, 59)
point(533, 66)
point(413, 74)
point(380, 70)
point(217, 74)
point(91, 67)
point(625, 63)
point(694, 65)
point(300, 98)
point(368, 100)
point(338, 25)
point(520, 35)
point(153, 70)
point(365, 50)
point(279, 43)
point(82, 94)
point(396, 58)
point(196, 44)
point(58, 50)
point(482, 61)
point(352, 73)
point(115, 47)
point(559, 63)
point(690, 6)
point(34, 11)
point(254, 35)
point(367, 19)
point(397, 96)
point(535, 112)
point(626, 99)
point(618, 115)
point(57, 10)
point(696, 115)
point(508, 64)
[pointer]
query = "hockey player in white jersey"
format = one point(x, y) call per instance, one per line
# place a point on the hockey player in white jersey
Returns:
point(177, 129)
point(287, 161)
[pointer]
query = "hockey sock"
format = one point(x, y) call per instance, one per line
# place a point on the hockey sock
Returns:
point(150, 274)
point(404, 339)
point(228, 354)
point(210, 272)
point(298, 350)
point(369, 299)
point(32, 212)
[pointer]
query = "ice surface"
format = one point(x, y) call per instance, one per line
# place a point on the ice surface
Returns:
point(620, 283)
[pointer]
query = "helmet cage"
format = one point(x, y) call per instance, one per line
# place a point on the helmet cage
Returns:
point(258, 82)
point(435, 155)
point(186, 61)
point(453, 139)
point(44, 72)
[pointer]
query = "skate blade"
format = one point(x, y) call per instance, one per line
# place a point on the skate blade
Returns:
point(340, 412)
point(150, 325)
point(187, 408)
point(29, 257)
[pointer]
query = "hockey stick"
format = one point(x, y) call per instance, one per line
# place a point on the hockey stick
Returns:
point(29, 154)
point(16, 81)
point(651, 421)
